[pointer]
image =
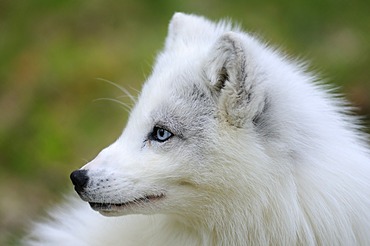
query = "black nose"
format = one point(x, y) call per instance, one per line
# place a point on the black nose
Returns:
point(79, 179)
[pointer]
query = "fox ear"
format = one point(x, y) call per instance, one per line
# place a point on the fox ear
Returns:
point(234, 78)
point(184, 28)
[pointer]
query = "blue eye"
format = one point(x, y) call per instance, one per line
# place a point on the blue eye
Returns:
point(160, 134)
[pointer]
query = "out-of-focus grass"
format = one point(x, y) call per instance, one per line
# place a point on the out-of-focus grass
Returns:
point(51, 53)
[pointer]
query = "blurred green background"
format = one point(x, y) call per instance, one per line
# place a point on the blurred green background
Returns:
point(52, 52)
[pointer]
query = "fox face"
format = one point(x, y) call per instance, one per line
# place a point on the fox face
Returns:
point(162, 145)
point(178, 147)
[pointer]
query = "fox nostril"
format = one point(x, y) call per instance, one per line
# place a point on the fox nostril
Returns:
point(79, 179)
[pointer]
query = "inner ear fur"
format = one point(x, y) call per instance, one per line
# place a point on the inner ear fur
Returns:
point(234, 77)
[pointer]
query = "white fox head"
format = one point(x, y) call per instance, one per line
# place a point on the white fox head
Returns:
point(193, 134)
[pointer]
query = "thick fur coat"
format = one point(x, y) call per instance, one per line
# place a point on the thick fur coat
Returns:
point(230, 143)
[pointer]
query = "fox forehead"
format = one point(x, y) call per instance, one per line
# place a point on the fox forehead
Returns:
point(183, 108)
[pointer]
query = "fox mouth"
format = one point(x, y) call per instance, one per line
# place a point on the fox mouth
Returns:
point(107, 207)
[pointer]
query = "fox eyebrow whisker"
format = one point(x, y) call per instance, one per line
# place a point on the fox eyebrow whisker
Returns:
point(124, 105)
point(122, 89)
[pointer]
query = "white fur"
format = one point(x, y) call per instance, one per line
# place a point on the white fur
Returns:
point(261, 155)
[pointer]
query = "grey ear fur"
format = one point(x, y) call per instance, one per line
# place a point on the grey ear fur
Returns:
point(233, 77)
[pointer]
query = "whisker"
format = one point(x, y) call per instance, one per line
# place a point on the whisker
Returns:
point(125, 106)
point(132, 98)
point(136, 90)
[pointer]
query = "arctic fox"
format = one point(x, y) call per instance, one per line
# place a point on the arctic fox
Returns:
point(230, 143)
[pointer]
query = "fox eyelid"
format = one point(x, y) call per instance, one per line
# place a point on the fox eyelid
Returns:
point(160, 134)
